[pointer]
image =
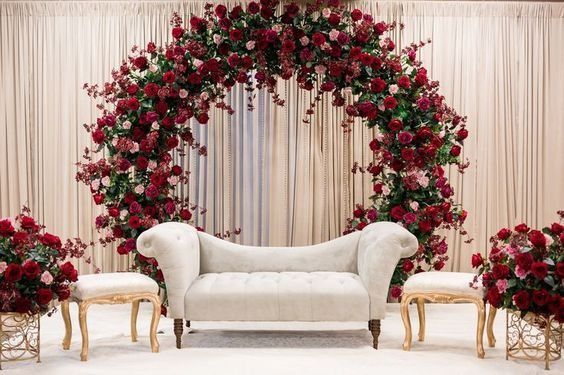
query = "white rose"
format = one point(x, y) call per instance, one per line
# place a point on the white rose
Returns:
point(155, 125)
point(106, 181)
point(126, 124)
point(95, 185)
point(153, 68)
point(217, 39)
point(326, 12)
point(139, 189)
point(393, 89)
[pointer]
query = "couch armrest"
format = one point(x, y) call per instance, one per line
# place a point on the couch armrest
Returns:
point(177, 249)
point(380, 248)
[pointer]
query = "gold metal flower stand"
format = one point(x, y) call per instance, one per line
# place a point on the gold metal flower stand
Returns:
point(19, 337)
point(533, 337)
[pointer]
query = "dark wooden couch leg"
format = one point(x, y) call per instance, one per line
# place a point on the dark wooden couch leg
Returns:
point(187, 324)
point(374, 327)
point(178, 332)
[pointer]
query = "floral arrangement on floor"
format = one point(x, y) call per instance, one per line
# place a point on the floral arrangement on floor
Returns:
point(525, 270)
point(34, 267)
point(156, 97)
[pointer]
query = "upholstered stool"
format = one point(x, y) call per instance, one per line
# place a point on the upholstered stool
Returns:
point(112, 288)
point(445, 287)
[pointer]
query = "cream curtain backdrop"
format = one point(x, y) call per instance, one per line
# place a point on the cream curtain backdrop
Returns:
point(284, 182)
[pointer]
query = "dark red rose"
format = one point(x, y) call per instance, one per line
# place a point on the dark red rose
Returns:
point(235, 35)
point(236, 11)
point(522, 228)
point(405, 137)
point(6, 228)
point(462, 134)
point(98, 136)
point(539, 270)
point(560, 269)
point(328, 86)
point(67, 269)
point(43, 296)
point(133, 104)
point(439, 265)
point(176, 170)
point(408, 154)
point(395, 125)
point(334, 19)
point(367, 109)
point(361, 225)
point(151, 89)
point(425, 226)
point(203, 118)
point(172, 142)
point(455, 150)
point(504, 234)
point(288, 46)
point(177, 32)
point(537, 238)
point(13, 273)
point(140, 62)
point(356, 15)
point(20, 238)
point(358, 213)
point(22, 305)
point(151, 47)
point(169, 77)
point(390, 102)
point(424, 103)
point(318, 39)
point(397, 212)
point(253, 7)
point(540, 297)
point(31, 269)
point(500, 271)
point(522, 300)
point(50, 240)
point(185, 214)
point(493, 297)
point(407, 265)
point(134, 222)
point(380, 28)
point(377, 85)
point(132, 89)
point(220, 11)
point(404, 82)
point(63, 292)
point(477, 260)
point(197, 24)
point(556, 228)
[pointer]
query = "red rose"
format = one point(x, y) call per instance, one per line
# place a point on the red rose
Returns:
point(134, 222)
point(439, 265)
point(253, 7)
point(151, 89)
point(98, 198)
point(477, 260)
point(504, 234)
point(177, 32)
point(318, 39)
point(539, 270)
point(377, 85)
point(395, 291)
point(424, 103)
point(176, 170)
point(462, 134)
point(367, 109)
point(522, 300)
point(522, 228)
point(356, 15)
point(408, 154)
point(235, 35)
point(404, 82)
point(395, 125)
point(540, 297)
point(397, 212)
point(556, 228)
point(185, 214)
point(361, 225)
point(328, 86)
point(172, 142)
point(537, 238)
point(50, 240)
point(133, 104)
point(407, 265)
point(358, 213)
point(334, 19)
point(493, 297)
point(20, 238)
point(98, 136)
point(500, 271)
point(390, 102)
point(405, 138)
point(13, 273)
point(560, 269)
point(44, 296)
point(63, 292)
point(169, 77)
point(151, 191)
point(203, 118)
point(455, 150)
point(425, 226)
point(220, 11)
point(67, 269)
point(6, 228)
point(140, 62)
point(31, 269)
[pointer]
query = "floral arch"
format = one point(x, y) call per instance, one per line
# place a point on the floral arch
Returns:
point(148, 106)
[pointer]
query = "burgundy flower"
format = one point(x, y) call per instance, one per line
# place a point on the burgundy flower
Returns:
point(500, 271)
point(397, 212)
point(185, 214)
point(328, 86)
point(31, 269)
point(169, 77)
point(318, 39)
point(43, 296)
point(253, 7)
point(69, 271)
point(477, 260)
point(539, 270)
point(424, 103)
point(356, 15)
point(405, 138)
point(425, 226)
point(13, 273)
point(390, 102)
point(220, 11)
point(151, 89)
point(493, 297)
point(522, 300)
point(22, 305)
point(177, 32)
point(63, 292)
point(540, 297)
point(504, 233)
point(6, 228)
point(235, 35)
point(377, 85)
point(537, 238)
point(462, 134)
point(522, 228)
point(404, 82)
point(395, 125)
point(334, 19)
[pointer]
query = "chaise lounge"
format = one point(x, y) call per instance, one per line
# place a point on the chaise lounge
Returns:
point(209, 279)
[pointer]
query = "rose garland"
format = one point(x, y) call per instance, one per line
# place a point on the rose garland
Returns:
point(149, 105)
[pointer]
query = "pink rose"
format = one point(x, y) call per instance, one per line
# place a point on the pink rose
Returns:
point(405, 137)
point(46, 278)
point(501, 285)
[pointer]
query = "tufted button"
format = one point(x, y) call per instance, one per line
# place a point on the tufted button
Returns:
point(146, 244)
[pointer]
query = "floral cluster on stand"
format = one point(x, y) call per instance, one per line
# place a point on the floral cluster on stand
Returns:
point(157, 95)
point(525, 269)
point(35, 267)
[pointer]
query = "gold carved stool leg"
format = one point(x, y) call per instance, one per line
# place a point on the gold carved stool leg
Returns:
point(134, 313)
point(491, 318)
point(421, 314)
point(82, 310)
point(155, 323)
point(480, 329)
point(404, 308)
point(68, 325)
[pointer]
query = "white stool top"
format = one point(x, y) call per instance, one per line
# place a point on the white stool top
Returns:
point(443, 282)
point(103, 284)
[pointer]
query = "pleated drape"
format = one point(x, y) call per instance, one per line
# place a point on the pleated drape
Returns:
point(281, 181)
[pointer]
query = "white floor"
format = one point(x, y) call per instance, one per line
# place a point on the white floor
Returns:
point(275, 348)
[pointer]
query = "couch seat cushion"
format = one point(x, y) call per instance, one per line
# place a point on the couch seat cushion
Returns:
point(106, 284)
point(277, 296)
point(443, 282)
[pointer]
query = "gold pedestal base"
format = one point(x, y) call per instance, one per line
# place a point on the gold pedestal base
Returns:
point(19, 337)
point(134, 299)
point(421, 297)
point(533, 337)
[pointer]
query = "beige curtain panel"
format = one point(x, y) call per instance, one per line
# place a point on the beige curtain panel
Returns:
point(281, 181)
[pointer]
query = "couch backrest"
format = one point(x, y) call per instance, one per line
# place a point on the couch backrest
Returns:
point(338, 255)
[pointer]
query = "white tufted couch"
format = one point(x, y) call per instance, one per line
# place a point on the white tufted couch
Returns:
point(209, 279)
